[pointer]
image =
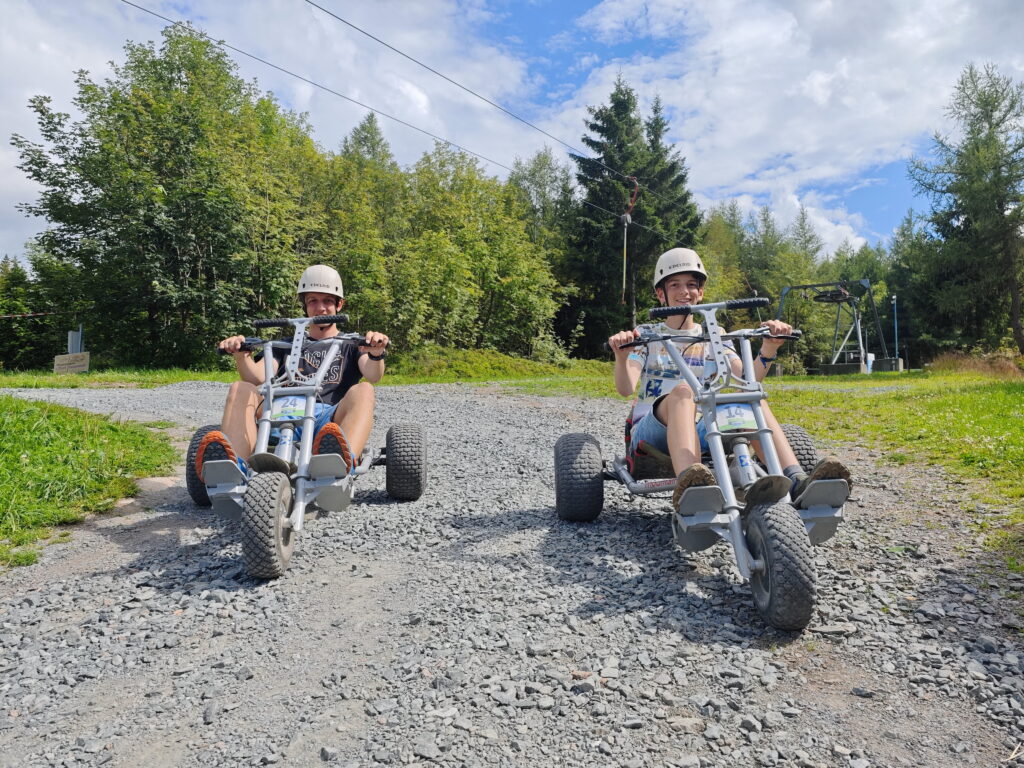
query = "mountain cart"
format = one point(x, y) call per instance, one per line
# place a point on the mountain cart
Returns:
point(284, 484)
point(772, 539)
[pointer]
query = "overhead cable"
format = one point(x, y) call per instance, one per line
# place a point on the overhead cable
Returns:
point(321, 87)
point(359, 103)
point(468, 90)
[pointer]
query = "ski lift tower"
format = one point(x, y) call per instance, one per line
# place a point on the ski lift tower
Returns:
point(850, 354)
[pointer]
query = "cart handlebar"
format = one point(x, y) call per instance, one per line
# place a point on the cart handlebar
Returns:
point(761, 332)
point(284, 322)
point(658, 313)
point(252, 343)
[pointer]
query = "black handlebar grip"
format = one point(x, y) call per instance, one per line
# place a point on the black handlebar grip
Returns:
point(328, 319)
point(271, 322)
point(248, 345)
point(793, 336)
point(757, 301)
point(659, 312)
point(627, 345)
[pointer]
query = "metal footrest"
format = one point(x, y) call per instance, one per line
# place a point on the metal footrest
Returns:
point(225, 485)
point(701, 499)
point(327, 465)
point(824, 493)
point(821, 508)
point(695, 526)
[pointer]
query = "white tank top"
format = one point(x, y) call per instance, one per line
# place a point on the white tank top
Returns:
point(660, 375)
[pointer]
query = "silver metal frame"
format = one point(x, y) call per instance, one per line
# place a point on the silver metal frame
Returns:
point(320, 478)
point(707, 514)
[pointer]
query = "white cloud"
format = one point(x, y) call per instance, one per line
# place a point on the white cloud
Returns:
point(770, 101)
point(44, 43)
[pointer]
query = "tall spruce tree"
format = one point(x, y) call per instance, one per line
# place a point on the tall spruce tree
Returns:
point(624, 144)
point(976, 183)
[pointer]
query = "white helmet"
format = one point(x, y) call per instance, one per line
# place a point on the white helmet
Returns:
point(321, 279)
point(678, 260)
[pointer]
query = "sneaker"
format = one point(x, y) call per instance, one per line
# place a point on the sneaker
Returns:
point(694, 475)
point(215, 446)
point(829, 468)
point(330, 439)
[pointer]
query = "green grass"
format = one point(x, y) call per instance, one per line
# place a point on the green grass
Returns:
point(424, 366)
point(436, 365)
point(58, 464)
point(969, 423)
point(113, 377)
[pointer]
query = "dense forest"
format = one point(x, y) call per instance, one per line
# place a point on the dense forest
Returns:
point(183, 201)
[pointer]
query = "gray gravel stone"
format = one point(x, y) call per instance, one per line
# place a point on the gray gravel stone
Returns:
point(492, 634)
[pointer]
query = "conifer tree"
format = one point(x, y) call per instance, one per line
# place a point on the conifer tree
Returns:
point(624, 145)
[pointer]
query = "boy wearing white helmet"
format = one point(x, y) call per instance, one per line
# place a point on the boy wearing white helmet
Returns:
point(665, 413)
point(344, 417)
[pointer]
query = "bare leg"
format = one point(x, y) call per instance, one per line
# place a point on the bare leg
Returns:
point(354, 415)
point(239, 420)
point(782, 447)
point(678, 412)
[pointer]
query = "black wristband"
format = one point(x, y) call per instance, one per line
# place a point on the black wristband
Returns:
point(377, 358)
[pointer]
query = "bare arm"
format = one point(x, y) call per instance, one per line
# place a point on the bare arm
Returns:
point(627, 372)
point(376, 343)
point(769, 349)
point(248, 369)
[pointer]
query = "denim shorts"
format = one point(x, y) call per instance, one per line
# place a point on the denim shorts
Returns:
point(654, 433)
point(322, 413)
point(651, 431)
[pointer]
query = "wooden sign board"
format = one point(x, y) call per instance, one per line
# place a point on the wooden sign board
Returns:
point(76, 363)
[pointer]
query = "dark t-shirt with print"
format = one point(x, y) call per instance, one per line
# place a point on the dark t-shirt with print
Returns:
point(344, 373)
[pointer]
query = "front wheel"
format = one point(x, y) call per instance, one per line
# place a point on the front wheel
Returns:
point(267, 539)
point(406, 450)
point(579, 486)
point(785, 588)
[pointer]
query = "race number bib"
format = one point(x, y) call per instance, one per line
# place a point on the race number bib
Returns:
point(736, 417)
point(288, 408)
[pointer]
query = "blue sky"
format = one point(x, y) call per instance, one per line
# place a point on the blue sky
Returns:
point(779, 102)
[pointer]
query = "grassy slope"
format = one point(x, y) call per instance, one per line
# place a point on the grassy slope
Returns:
point(58, 464)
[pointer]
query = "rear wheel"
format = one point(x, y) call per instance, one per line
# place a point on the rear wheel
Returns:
point(267, 540)
point(194, 483)
point(784, 589)
point(406, 450)
point(579, 486)
point(802, 445)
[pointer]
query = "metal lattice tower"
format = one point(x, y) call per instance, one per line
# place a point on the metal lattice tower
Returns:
point(848, 315)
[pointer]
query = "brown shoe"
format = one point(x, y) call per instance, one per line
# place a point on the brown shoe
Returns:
point(829, 468)
point(694, 475)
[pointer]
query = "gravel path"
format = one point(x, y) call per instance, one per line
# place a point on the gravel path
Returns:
point(471, 628)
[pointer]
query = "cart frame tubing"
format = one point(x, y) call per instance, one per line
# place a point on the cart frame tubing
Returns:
point(708, 397)
point(296, 384)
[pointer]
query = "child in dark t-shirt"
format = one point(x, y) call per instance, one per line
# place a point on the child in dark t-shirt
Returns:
point(344, 416)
